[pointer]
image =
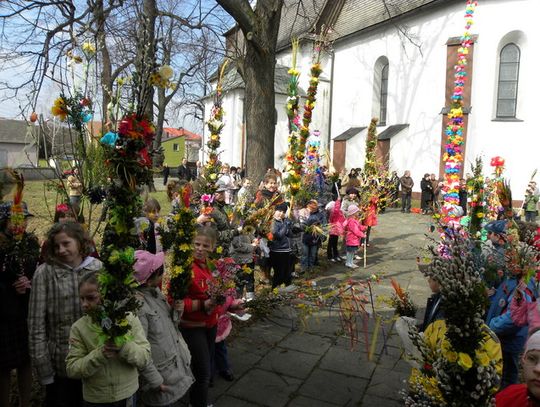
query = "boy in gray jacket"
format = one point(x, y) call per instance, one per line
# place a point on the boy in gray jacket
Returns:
point(243, 251)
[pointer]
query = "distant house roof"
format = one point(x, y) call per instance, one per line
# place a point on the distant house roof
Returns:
point(391, 131)
point(171, 133)
point(14, 131)
point(349, 134)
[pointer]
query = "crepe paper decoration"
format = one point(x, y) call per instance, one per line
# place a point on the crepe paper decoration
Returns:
point(109, 138)
point(453, 156)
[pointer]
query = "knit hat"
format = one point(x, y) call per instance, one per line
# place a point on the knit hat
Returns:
point(146, 264)
point(533, 343)
point(352, 209)
point(496, 226)
point(282, 207)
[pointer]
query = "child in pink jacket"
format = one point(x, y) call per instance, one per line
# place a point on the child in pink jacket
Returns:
point(335, 220)
point(354, 232)
point(525, 307)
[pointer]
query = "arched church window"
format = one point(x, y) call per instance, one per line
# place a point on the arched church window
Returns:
point(383, 97)
point(507, 89)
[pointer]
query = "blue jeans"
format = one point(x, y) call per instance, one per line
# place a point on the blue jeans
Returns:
point(221, 359)
point(309, 256)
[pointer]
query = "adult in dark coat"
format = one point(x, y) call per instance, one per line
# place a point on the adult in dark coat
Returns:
point(184, 173)
point(166, 172)
point(427, 194)
point(407, 184)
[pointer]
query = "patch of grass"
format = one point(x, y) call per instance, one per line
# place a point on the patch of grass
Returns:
point(42, 202)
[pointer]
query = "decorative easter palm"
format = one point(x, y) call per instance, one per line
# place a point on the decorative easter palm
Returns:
point(176, 238)
point(461, 358)
point(453, 156)
point(215, 124)
point(128, 160)
point(299, 129)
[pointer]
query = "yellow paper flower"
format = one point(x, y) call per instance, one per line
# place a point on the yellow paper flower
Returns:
point(219, 250)
point(123, 322)
point(184, 247)
point(59, 109)
point(89, 48)
point(177, 270)
point(465, 361)
point(482, 358)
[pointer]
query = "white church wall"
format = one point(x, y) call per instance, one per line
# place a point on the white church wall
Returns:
point(516, 141)
point(417, 84)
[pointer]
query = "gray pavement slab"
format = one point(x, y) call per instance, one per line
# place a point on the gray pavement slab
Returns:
point(289, 362)
point(334, 387)
point(265, 388)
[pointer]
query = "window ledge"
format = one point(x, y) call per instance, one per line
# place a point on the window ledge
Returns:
point(506, 119)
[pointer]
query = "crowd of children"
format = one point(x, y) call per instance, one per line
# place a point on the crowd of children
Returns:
point(174, 349)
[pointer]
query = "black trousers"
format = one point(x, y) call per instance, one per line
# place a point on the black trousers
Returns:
point(64, 392)
point(281, 263)
point(332, 248)
point(201, 343)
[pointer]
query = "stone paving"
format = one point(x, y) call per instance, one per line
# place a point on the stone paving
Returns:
point(277, 364)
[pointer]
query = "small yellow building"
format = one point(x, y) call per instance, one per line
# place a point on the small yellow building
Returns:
point(178, 144)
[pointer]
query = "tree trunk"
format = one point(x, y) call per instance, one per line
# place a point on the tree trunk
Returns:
point(106, 67)
point(150, 14)
point(260, 28)
point(259, 105)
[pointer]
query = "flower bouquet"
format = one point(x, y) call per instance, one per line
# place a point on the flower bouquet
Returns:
point(223, 279)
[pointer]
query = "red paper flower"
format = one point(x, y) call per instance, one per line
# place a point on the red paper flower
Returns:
point(497, 161)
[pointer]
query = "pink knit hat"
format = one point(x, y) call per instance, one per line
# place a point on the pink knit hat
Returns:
point(146, 264)
point(352, 209)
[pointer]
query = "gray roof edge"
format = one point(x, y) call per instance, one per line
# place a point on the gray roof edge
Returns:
point(349, 133)
point(391, 131)
point(433, 3)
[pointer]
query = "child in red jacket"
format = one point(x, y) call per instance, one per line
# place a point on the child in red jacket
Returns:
point(200, 317)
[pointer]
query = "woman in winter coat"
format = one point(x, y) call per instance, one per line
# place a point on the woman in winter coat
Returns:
point(427, 194)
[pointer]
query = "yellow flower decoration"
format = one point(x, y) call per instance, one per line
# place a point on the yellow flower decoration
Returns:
point(482, 358)
point(123, 322)
point(89, 48)
point(59, 109)
point(465, 361)
point(177, 270)
point(184, 247)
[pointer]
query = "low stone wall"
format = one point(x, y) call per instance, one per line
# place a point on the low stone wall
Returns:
point(37, 174)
